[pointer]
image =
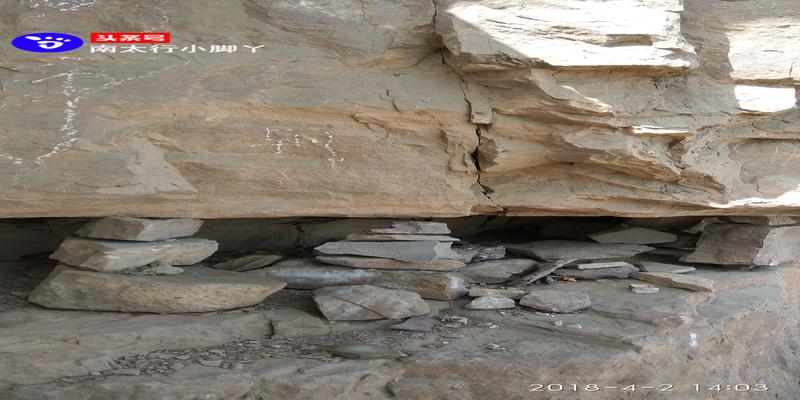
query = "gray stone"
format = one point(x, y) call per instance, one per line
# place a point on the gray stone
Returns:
point(742, 244)
point(623, 272)
point(247, 263)
point(511, 293)
point(293, 323)
point(763, 220)
point(416, 252)
point(198, 289)
point(651, 266)
point(388, 263)
point(415, 228)
point(497, 271)
point(643, 288)
point(311, 274)
point(491, 303)
point(556, 301)
point(156, 268)
point(566, 249)
point(140, 229)
point(634, 235)
point(416, 324)
point(112, 255)
point(689, 282)
point(367, 302)
point(387, 237)
point(477, 253)
point(361, 351)
point(599, 265)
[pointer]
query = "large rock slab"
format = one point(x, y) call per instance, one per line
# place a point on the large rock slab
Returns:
point(741, 244)
point(197, 289)
point(386, 263)
point(367, 302)
point(497, 271)
point(140, 229)
point(415, 252)
point(311, 274)
point(565, 249)
point(111, 255)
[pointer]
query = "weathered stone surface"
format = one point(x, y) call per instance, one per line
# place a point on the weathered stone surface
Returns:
point(511, 293)
point(139, 229)
point(112, 255)
point(651, 266)
point(643, 288)
point(156, 268)
point(478, 253)
point(197, 289)
point(633, 235)
point(623, 272)
point(311, 274)
point(742, 244)
point(414, 228)
point(565, 249)
point(491, 303)
point(680, 281)
point(367, 302)
point(497, 271)
point(557, 301)
point(398, 237)
point(386, 263)
point(246, 263)
point(415, 252)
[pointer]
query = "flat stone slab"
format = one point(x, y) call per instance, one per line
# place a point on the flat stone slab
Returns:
point(742, 244)
point(197, 289)
point(599, 265)
point(623, 272)
point(112, 255)
point(556, 301)
point(387, 263)
point(511, 293)
point(651, 266)
point(140, 229)
point(567, 249)
point(477, 253)
point(247, 263)
point(312, 274)
point(156, 268)
point(398, 237)
point(689, 282)
point(416, 252)
point(634, 235)
point(643, 288)
point(497, 271)
point(367, 302)
point(491, 303)
point(415, 228)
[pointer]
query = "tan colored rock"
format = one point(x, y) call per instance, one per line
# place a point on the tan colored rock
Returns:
point(398, 237)
point(742, 244)
point(386, 263)
point(139, 229)
point(111, 255)
point(197, 289)
point(367, 302)
point(689, 282)
point(246, 263)
point(633, 235)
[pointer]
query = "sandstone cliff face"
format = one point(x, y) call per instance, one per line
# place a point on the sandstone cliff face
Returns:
point(382, 108)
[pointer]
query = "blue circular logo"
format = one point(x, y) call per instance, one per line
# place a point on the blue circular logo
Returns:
point(47, 42)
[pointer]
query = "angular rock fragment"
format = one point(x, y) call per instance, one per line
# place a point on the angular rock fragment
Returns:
point(416, 252)
point(689, 282)
point(367, 302)
point(651, 266)
point(566, 249)
point(622, 272)
point(399, 237)
point(497, 271)
point(742, 244)
point(643, 288)
point(511, 293)
point(491, 303)
point(556, 301)
point(112, 255)
point(140, 229)
point(198, 289)
point(311, 274)
point(156, 268)
point(246, 263)
point(478, 253)
point(387, 263)
point(633, 235)
point(415, 228)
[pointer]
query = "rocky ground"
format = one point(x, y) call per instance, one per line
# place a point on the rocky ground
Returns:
point(745, 333)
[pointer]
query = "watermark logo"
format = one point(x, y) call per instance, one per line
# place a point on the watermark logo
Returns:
point(129, 37)
point(47, 42)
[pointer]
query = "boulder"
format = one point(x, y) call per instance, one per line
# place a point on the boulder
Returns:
point(398, 237)
point(112, 255)
point(633, 235)
point(311, 274)
point(139, 229)
point(367, 302)
point(556, 301)
point(490, 303)
point(246, 263)
point(198, 289)
point(387, 263)
point(565, 249)
point(742, 244)
point(689, 282)
point(497, 271)
point(414, 228)
point(415, 252)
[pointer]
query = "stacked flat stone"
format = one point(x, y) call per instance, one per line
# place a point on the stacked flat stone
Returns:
point(129, 264)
